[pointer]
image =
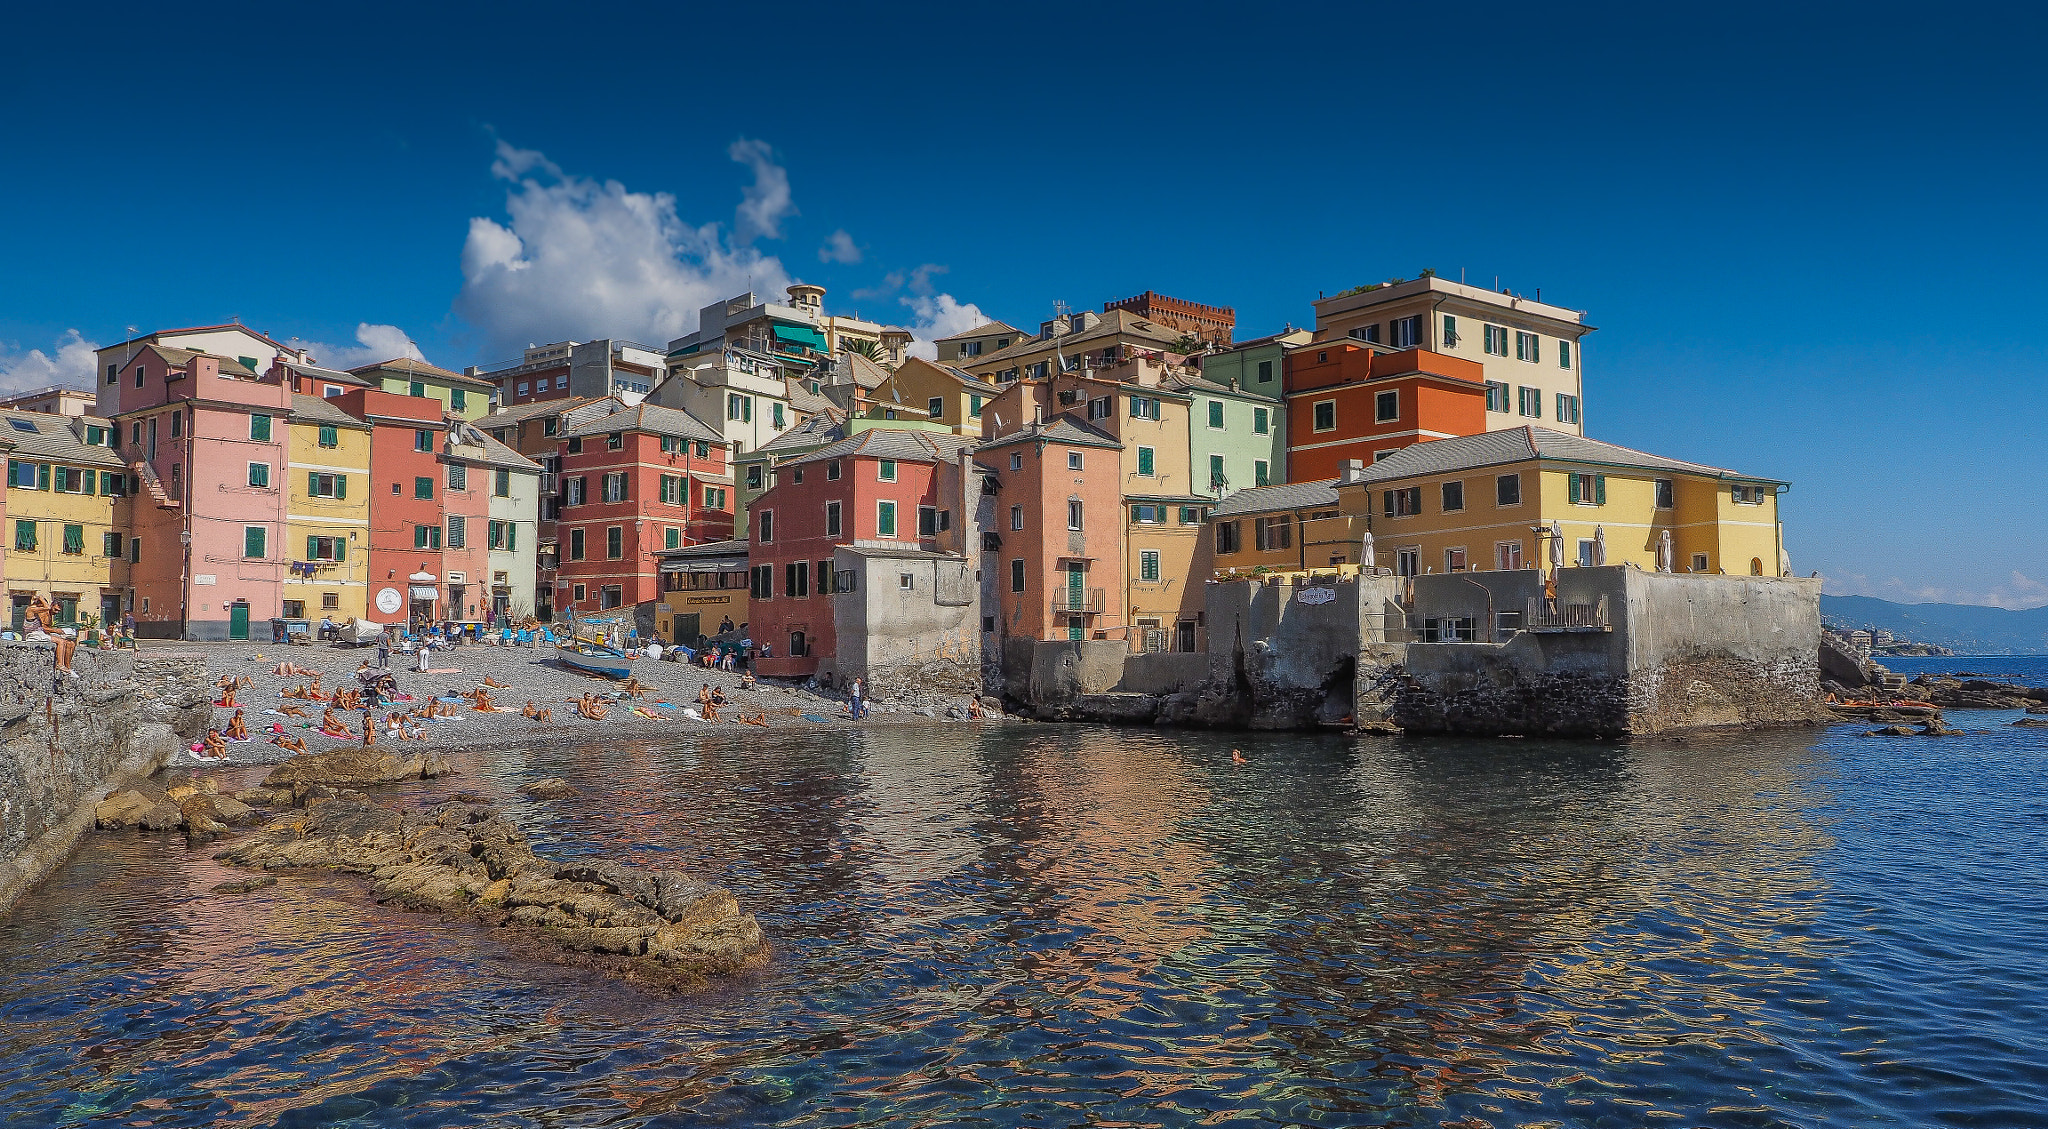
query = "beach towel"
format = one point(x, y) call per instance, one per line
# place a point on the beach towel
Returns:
point(814, 717)
point(338, 736)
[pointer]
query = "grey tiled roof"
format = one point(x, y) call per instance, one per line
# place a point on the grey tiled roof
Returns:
point(737, 547)
point(1286, 496)
point(647, 417)
point(982, 330)
point(494, 453)
point(330, 375)
point(894, 443)
point(1064, 428)
point(320, 410)
point(53, 437)
point(1493, 448)
point(806, 436)
point(508, 415)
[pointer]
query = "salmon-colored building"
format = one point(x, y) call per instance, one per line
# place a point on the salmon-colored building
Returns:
point(1351, 400)
point(883, 488)
point(634, 481)
point(206, 435)
point(406, 494)
point(1058, 530)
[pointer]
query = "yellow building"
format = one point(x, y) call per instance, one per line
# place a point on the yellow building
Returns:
point(66, 513)
point(1292, 527)
point(327, 513)
point(1500, 499)
point(941, 394)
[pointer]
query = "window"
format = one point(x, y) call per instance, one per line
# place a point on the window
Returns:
point(832, 471)
point(579, 590)
point(1527, 346)
point(1586, 489)
point(1017, 575)
point(1261, 421)
point(1217, 479)
point(523, 388)
point(615, 486)
point(494, 535)
point(1216, 414)
point(671, 490)
point(426, 536)
point(1144, 407)
point(1750, 495)
point(1567, 408)
point(1507, 555)
point(25, 536)
point(936, 407)
point(1406, 333)
point(1099, 408)
point(576, 546)
point(1454, 560)
point(1148, 514)
point(885, 470)
point(457, 399)
point(74, 541)
point(1226, 537)
point(1016, 517)
point(1261, 472)
point(1564, 354)
point(419, 388)
point(259, 474)
point(330, 436)
point(610, 596)
point(614, 542)
point(110, 545)
point(561, 382)
point(458, 476)
point(761, 581)
point(714, 497)
point(1497, 340)
point(1367, 333)
point(1530, 401)
point(766, 527)
point(1191, 515)
point(796, 474)
point(329, 601)
point(1265, 372)
point(1699, 562)
point(615, 441)
point(458, 531)
point(1450, 331)
point(1148, 564)
point(1406, 502)
point(422, 487)
point(1454, 497)
point(1326, 415)
point(1407, 562)
point(1507, 490)
point(178, 424)
point(974, 405)
point(259, 429)
point(1145, 461)
point(927, 521)
point(578, 490)
point(1273, 533)
point(255, 539)
point(796, 579)
point(738, 407)
point(1386, 407)
point(1664, 500)
point(754, 476)
point(1450, 629)
point(885, 519)
point(576, 445)
point(330, 391)
point(1496, 396)
point(501, 483)
point(1073, 514)
point(422, 439)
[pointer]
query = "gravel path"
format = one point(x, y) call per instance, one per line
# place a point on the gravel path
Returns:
point(528, 674)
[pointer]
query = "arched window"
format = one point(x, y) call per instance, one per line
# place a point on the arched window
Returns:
point(796, 644)
point(1756, 566)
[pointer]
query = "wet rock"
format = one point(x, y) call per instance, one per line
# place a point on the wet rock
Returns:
point(163, 816)
point(356, 768)
point(202, 819)
point(550, 788)
point(122, 810)
point(265, 797)
point(2033, 722)
point(2037, 709)
point(1935, 727)
point(1892, 731)
point(657, 926)
point(244, 885)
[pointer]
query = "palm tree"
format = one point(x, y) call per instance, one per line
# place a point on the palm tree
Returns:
point(872, 350)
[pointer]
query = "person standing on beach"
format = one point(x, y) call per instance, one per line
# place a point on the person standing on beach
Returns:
point(860, 706)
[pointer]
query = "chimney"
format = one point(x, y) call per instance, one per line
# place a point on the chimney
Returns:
point(1353, 472)
point(1038, 415)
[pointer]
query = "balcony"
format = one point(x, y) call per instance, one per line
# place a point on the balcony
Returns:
point(1542, 615)
point(1087, 602)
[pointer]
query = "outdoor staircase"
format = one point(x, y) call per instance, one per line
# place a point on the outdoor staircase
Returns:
point(151, 484)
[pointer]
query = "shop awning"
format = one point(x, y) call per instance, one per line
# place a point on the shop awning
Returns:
point(703, 566)
point(426, 593)
point(800, 335)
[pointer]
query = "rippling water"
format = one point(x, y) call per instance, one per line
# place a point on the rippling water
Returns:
point(1053, 926)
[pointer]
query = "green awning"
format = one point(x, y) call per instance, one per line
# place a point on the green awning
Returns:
point(800, 335)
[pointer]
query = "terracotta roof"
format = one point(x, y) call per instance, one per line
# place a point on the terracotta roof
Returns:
point(1493, 448)
point(982, 330)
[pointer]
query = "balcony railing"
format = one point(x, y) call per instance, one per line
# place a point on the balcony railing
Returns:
point(1087, 602)
point(1542, 615)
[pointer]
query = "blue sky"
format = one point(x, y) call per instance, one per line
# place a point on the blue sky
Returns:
point(1811, 238)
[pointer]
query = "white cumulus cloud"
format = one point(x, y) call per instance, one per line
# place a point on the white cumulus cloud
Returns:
point(580, 258)
point(939, 315)
point(374, 343)
point(767, 201)
point(839, 248)
point(70, 361)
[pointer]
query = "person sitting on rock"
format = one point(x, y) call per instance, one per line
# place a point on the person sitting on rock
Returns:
point(974, 708)
point(238, 730)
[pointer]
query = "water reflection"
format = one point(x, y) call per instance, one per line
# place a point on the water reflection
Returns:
point(1035, 924)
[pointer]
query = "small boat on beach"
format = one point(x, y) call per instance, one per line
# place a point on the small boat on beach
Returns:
point(587, 649)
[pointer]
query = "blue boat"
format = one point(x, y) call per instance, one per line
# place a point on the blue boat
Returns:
point(588, 652)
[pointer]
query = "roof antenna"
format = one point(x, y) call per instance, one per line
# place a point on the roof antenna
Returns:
point(1059, 310)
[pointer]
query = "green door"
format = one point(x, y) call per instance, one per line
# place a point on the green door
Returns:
point(1077, 602)
point(238, 621)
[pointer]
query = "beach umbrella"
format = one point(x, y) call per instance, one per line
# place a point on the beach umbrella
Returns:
point(1599, 544)
point(1556, 546)
point(1365, 553)
point(1664, 551)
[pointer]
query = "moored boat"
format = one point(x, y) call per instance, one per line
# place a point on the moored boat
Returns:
point(586, 650)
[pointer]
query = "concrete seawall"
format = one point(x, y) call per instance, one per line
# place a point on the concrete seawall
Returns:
point(64, 745)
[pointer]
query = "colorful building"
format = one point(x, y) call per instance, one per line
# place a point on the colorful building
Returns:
point(1529, 352)
point(466, 397)
point(966, 345)
point(1289, 527)
point(742, 395)
point(1212, 325)
point(65, 517)
point(1498, 500)
point(883, 489)
point(406, 547)
point(946, 395)
point(703, 588)
point(1256, 373)
point(635, 481)
point(327, 512)
point(1350, 400)
point(1074, 341)
point(576, 370)
point(1058, 530)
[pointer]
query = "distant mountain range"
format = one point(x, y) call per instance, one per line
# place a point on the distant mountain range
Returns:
point(1966, 628)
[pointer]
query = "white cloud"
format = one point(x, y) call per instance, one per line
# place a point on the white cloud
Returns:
point(70, 362)
point(582, 258)
point(839, 248)
point(939, 315)
point(374, 343)
point(767, 201)
point(2018, 591)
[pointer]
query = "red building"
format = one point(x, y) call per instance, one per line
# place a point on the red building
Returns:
point(633, 482)
point(1348, 400)
point(407, 480)
point(882, 488)
point(1213, 324)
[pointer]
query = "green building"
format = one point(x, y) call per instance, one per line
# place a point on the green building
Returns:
point(1237, 425)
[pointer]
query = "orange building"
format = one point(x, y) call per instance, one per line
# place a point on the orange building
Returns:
point(1059, 530)
point(1351, 400)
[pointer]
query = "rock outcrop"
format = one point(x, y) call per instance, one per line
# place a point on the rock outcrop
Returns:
point(178, 802)
point(355, 768)
point(658, 927)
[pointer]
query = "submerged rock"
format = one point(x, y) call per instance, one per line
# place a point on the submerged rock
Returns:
point(244, 885)
point(550, 788)
point(654, 926)
point(355, 768)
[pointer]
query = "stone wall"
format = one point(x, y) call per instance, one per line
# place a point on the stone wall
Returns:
point(63, 746)
point(924, 638)
point(1293, 654)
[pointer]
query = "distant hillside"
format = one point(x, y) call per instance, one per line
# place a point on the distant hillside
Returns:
point(1966, 628)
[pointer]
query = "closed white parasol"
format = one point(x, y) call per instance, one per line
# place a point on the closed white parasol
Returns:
point(1365, 553)
point(1599, 544)
point(1664, 551)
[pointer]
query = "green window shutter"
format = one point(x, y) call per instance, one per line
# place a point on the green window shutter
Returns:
point(341, 486)
point(259, 428)
point(252, 542)
point(1215, 413)
point(42, 476)
point(310, 551)
point(1144, 460)
point(329, 436)
point(1599, 489)
point(511, 536)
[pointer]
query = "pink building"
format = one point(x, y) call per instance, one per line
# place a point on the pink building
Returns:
point(206, 436)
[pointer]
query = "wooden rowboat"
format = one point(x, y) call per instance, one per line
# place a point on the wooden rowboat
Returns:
point(586, 650)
